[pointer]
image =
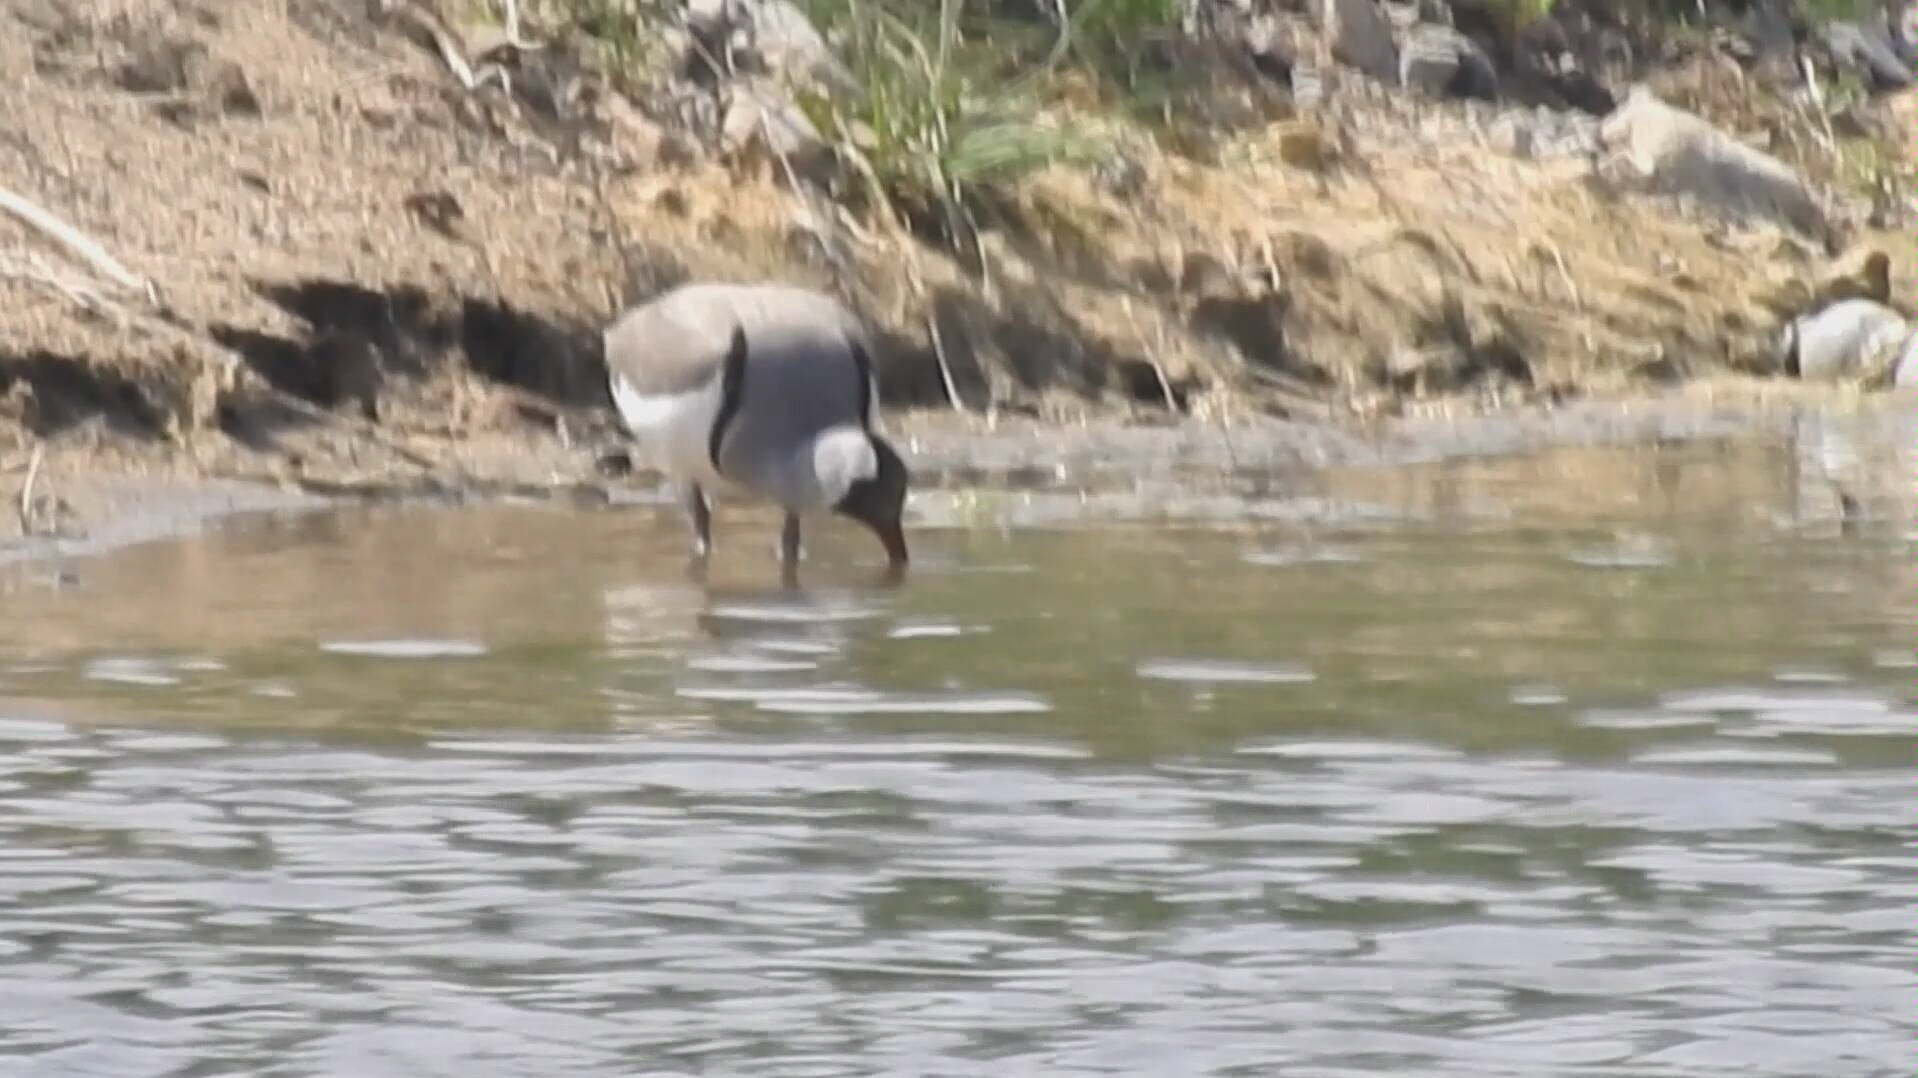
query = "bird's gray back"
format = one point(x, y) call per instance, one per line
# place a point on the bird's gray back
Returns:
point(676, 342)
point(672, 344)
point(801, 376)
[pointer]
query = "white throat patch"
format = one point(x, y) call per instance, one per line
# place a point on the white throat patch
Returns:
point(841, 458)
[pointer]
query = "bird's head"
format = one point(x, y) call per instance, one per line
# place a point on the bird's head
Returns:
point(875, 496)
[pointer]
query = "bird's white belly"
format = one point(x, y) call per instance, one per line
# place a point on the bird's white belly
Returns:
point(673, 430)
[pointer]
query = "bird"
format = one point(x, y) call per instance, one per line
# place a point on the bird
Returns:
point(759, 391)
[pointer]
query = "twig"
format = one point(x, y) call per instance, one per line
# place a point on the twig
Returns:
point(512, 30)
point(1565, 274)
point(987, 287)
point(26, 490)
point(821, 223)
point(1817, 93)
point(945, 371)
point(1151, 356)
point(77, 242)
point(861, 164)
point(32, 270)
point(450, 49)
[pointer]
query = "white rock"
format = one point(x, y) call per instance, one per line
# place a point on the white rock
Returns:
point(775, 34)
point(792, 47)
point(759, 114)
point(1870, 51)
point(1441, 61)
point(1681, 153)
point(1512, 133)
point(1308, 86)
point(1362, 37)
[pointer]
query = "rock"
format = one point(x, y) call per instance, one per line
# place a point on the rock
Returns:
point(1768, 30)
point(1907, 374)
point(1572, 134)
point(230, 91)
point(760, 118)
point(771, 37)
point(1904, 32)
point(1512, 133)
point(1542, 133)
point(1868, 51)
point(1195, 18)
point(793, 48)
point(1308, 86)
point(161, 66)
point(187, 82)
point(635, 140)
point(1582, 91)
point(1121, 175)
point(1853, 338)
point(1265, 46)
point(1439, 60)
point(1680, 153)
point(438, 210)
point(1551, 57)
point(1360, 35)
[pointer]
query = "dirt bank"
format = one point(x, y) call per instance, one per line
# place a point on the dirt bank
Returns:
point(371, 278)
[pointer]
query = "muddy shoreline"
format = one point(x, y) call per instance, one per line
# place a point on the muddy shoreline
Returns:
point(107, 503)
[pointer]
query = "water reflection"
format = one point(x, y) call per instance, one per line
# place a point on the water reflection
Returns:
point(1409, 788)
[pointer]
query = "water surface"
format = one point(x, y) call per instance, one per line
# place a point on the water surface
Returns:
point(1597, 764)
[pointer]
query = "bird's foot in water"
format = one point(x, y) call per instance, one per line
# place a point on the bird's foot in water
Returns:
point(789, 551)
point(696, 567)
point(701, 513)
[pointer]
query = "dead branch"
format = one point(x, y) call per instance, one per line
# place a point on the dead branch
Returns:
point(26, 490)
point(1818, 109)
point(512, 29)
point(875, 187)
point(819, 224)
point(1564, 273)
point(1152, 353)
point(945, 370)
point(76, 242)
point(452, 52)
point(34, 271)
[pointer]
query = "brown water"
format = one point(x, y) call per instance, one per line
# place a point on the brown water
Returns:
point(1598, 764)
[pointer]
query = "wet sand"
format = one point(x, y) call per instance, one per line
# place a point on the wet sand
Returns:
point(107, 503)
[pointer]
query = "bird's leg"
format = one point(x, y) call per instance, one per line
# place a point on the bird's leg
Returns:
point(789, 549)
point(702, 514)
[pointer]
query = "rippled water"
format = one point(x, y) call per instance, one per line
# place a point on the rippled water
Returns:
point(1599, 767)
